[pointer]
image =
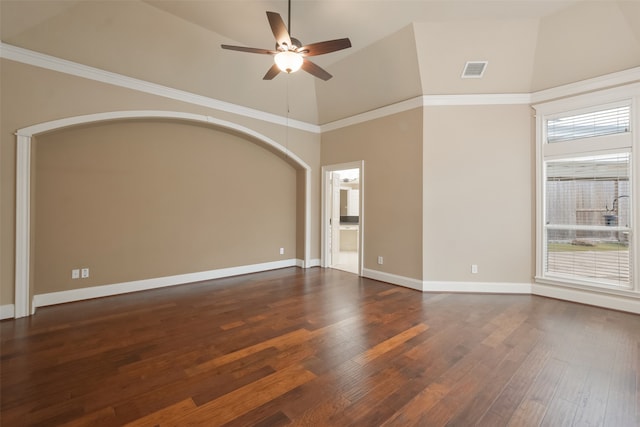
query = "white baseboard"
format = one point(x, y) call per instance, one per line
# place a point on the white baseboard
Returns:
point(615, 302)
point(599, 299)
point(478, 287)
point(435, 286)
point(7, 311)
point(313, 263)
point(394, 279)
point(61, 297)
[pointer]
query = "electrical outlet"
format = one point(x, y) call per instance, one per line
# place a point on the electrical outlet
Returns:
point(84, 273)
point(474, 268)
point(281, 251)
point(75, 273)
point(380, 260)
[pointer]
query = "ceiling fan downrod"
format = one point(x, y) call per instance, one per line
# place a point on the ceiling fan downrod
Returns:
point(289, 18)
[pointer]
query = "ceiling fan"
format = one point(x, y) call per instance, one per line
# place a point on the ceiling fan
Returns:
point(290, 54)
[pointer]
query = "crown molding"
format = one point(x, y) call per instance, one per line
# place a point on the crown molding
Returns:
point(572, 89)
point(48, 62)
point(597, 83)
point(378, 113)
point(41, 60)
point(430, 101)
point(477, 99)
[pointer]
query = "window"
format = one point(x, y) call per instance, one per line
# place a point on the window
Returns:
point(586, 193)
point(587, 218)
point(602, 122)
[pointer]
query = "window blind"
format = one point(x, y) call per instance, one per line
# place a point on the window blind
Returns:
point(588, 218)
point(603, 122)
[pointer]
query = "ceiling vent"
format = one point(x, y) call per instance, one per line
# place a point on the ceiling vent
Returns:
point(474, 69)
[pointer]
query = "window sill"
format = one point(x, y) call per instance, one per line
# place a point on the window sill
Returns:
point(589, 287)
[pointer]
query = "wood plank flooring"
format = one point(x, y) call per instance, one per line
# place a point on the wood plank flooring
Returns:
point(319, 347)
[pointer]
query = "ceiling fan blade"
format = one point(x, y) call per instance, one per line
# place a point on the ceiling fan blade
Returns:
point(279, 29)
point(324, 47)
point(315, 70)
point(273, 71)
point(249, 49)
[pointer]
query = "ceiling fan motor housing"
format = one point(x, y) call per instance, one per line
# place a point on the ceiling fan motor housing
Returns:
point(295, 45)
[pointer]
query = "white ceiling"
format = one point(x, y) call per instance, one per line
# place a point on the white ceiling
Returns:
point(401, 48)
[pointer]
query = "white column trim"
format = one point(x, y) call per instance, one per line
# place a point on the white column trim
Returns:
point(22, 303)
point(307, 218)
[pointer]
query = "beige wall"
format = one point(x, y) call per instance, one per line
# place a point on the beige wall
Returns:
point(392, 150)
point(446, 187)
point(411, 178)
point(135, 200)
point(31, 95)
point(478, 193)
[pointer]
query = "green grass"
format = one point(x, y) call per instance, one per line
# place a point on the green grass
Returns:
point(568, 247)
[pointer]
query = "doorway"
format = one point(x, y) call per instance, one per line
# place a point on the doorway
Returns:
point(343, 217)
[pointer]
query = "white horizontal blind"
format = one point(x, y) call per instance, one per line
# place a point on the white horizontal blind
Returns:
point(597, 123)
point(588, 218)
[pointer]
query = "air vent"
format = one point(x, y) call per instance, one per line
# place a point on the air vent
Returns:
point(474, 69)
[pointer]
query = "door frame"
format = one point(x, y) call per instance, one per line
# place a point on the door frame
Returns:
point(326, 214)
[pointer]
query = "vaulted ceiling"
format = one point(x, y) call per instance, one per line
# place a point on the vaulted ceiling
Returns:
point(401, 48)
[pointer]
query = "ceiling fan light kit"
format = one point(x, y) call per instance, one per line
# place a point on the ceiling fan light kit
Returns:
point(290, 54)
point(288, 61)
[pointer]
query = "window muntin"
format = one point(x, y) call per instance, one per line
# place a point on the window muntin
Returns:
point(608, 121)
point(587, 224)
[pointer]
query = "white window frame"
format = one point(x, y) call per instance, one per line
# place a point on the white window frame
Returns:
point(616, 143)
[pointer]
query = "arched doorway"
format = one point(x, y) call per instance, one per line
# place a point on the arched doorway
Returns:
point(23, 293)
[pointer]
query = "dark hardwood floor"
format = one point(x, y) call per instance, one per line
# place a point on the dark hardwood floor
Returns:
point(320, 348)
